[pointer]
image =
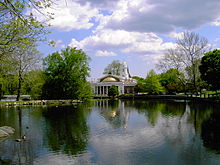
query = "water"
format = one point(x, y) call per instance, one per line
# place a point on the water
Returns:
point(113, 133)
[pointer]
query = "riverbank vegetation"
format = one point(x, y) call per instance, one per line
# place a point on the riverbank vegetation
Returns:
point(190, 67)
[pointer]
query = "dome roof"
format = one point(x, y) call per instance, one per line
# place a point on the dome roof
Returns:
point(110, 79)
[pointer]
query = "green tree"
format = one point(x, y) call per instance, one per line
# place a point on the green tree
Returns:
point(113, 68)
point(210, 68)
point(186, 57)
point(152, 83)
point(140, 87)
point(17, 27)
point(170, 80)
point(33, 82)
point(66, 74)
point(24, 60)
point(113, 91)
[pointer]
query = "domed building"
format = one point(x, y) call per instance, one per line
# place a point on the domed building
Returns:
point(124, 82)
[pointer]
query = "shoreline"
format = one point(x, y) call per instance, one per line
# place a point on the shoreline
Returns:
point(123, 97)
point(170, 97)
point(39, 102)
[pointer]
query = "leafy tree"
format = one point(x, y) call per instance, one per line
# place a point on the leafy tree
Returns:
point(20, 62)
point(113, 91)
point(17, 28)
point(33, 82)
point(66, 74)
point(140, 87)
point(186, 57)
point(210, 68)
point(170, 80)
point(152, 83)
point(113, 68)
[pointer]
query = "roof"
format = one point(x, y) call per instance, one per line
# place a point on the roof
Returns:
point(110, 78)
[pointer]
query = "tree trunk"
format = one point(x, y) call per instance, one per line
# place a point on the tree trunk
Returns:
point(19, 86)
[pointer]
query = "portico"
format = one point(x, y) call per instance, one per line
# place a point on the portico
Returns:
point(124, 83)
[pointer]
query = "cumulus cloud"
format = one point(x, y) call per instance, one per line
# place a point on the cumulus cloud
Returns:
point(104, 53)
point(105, 42)
point(162, 16)
point(102, 4)
point(157, 16)
point(69, 15)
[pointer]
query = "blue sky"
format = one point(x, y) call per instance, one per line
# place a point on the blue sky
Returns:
point(135, 31)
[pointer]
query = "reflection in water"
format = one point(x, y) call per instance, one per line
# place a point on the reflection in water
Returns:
point(113, 132)
point(67, 129)
point(211, 132)
point(114, 112)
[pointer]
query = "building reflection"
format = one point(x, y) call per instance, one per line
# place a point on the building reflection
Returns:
point(114, 112)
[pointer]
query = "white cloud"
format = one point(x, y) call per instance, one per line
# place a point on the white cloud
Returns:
point(69, 16)
point(162, 16)
point(157, 16)
point(175, 35)
point(104, 53)
point(105, 42)
point(216, 22)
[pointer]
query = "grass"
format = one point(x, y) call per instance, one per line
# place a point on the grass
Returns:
point(11, 102)
point(211, 92)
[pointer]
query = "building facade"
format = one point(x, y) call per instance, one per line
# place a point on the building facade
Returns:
point(123, 82)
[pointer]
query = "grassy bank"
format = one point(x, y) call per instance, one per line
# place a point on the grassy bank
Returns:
point(38, 102)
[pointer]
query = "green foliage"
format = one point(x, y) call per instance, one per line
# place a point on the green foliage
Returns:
point(33, 84)
point(113, 68)
point(8, 84)
point(210, 68)
point(140, 87)
point(66, 74)
point(152, 83)
point(171, 81)
point(186, 57)
point(17, 27)
point(113, 91)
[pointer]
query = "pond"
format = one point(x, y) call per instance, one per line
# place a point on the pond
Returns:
point(113, 133)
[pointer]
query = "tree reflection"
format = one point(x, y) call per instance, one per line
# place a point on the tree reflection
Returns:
point(200, 112)
point(211, 132)
point(153, 109)
point(12, 152)
point(67, 128)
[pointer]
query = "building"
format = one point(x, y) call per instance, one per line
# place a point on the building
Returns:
point(124, 82)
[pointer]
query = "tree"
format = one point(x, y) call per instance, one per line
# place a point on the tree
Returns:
point(152, 83)
point(19, 27)
point(23, 60)
point(113, 68)
point(113, 91)
point(66, 74)
point(186, 57)
point(140, 87)
point(33, 82)
point(170, 80)
point(210, 68)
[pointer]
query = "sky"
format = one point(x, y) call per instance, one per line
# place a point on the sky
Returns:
point(136, 31)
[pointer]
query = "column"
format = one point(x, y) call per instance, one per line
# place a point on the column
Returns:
point(122, 89)
point(107, 90)
point(96, 90)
